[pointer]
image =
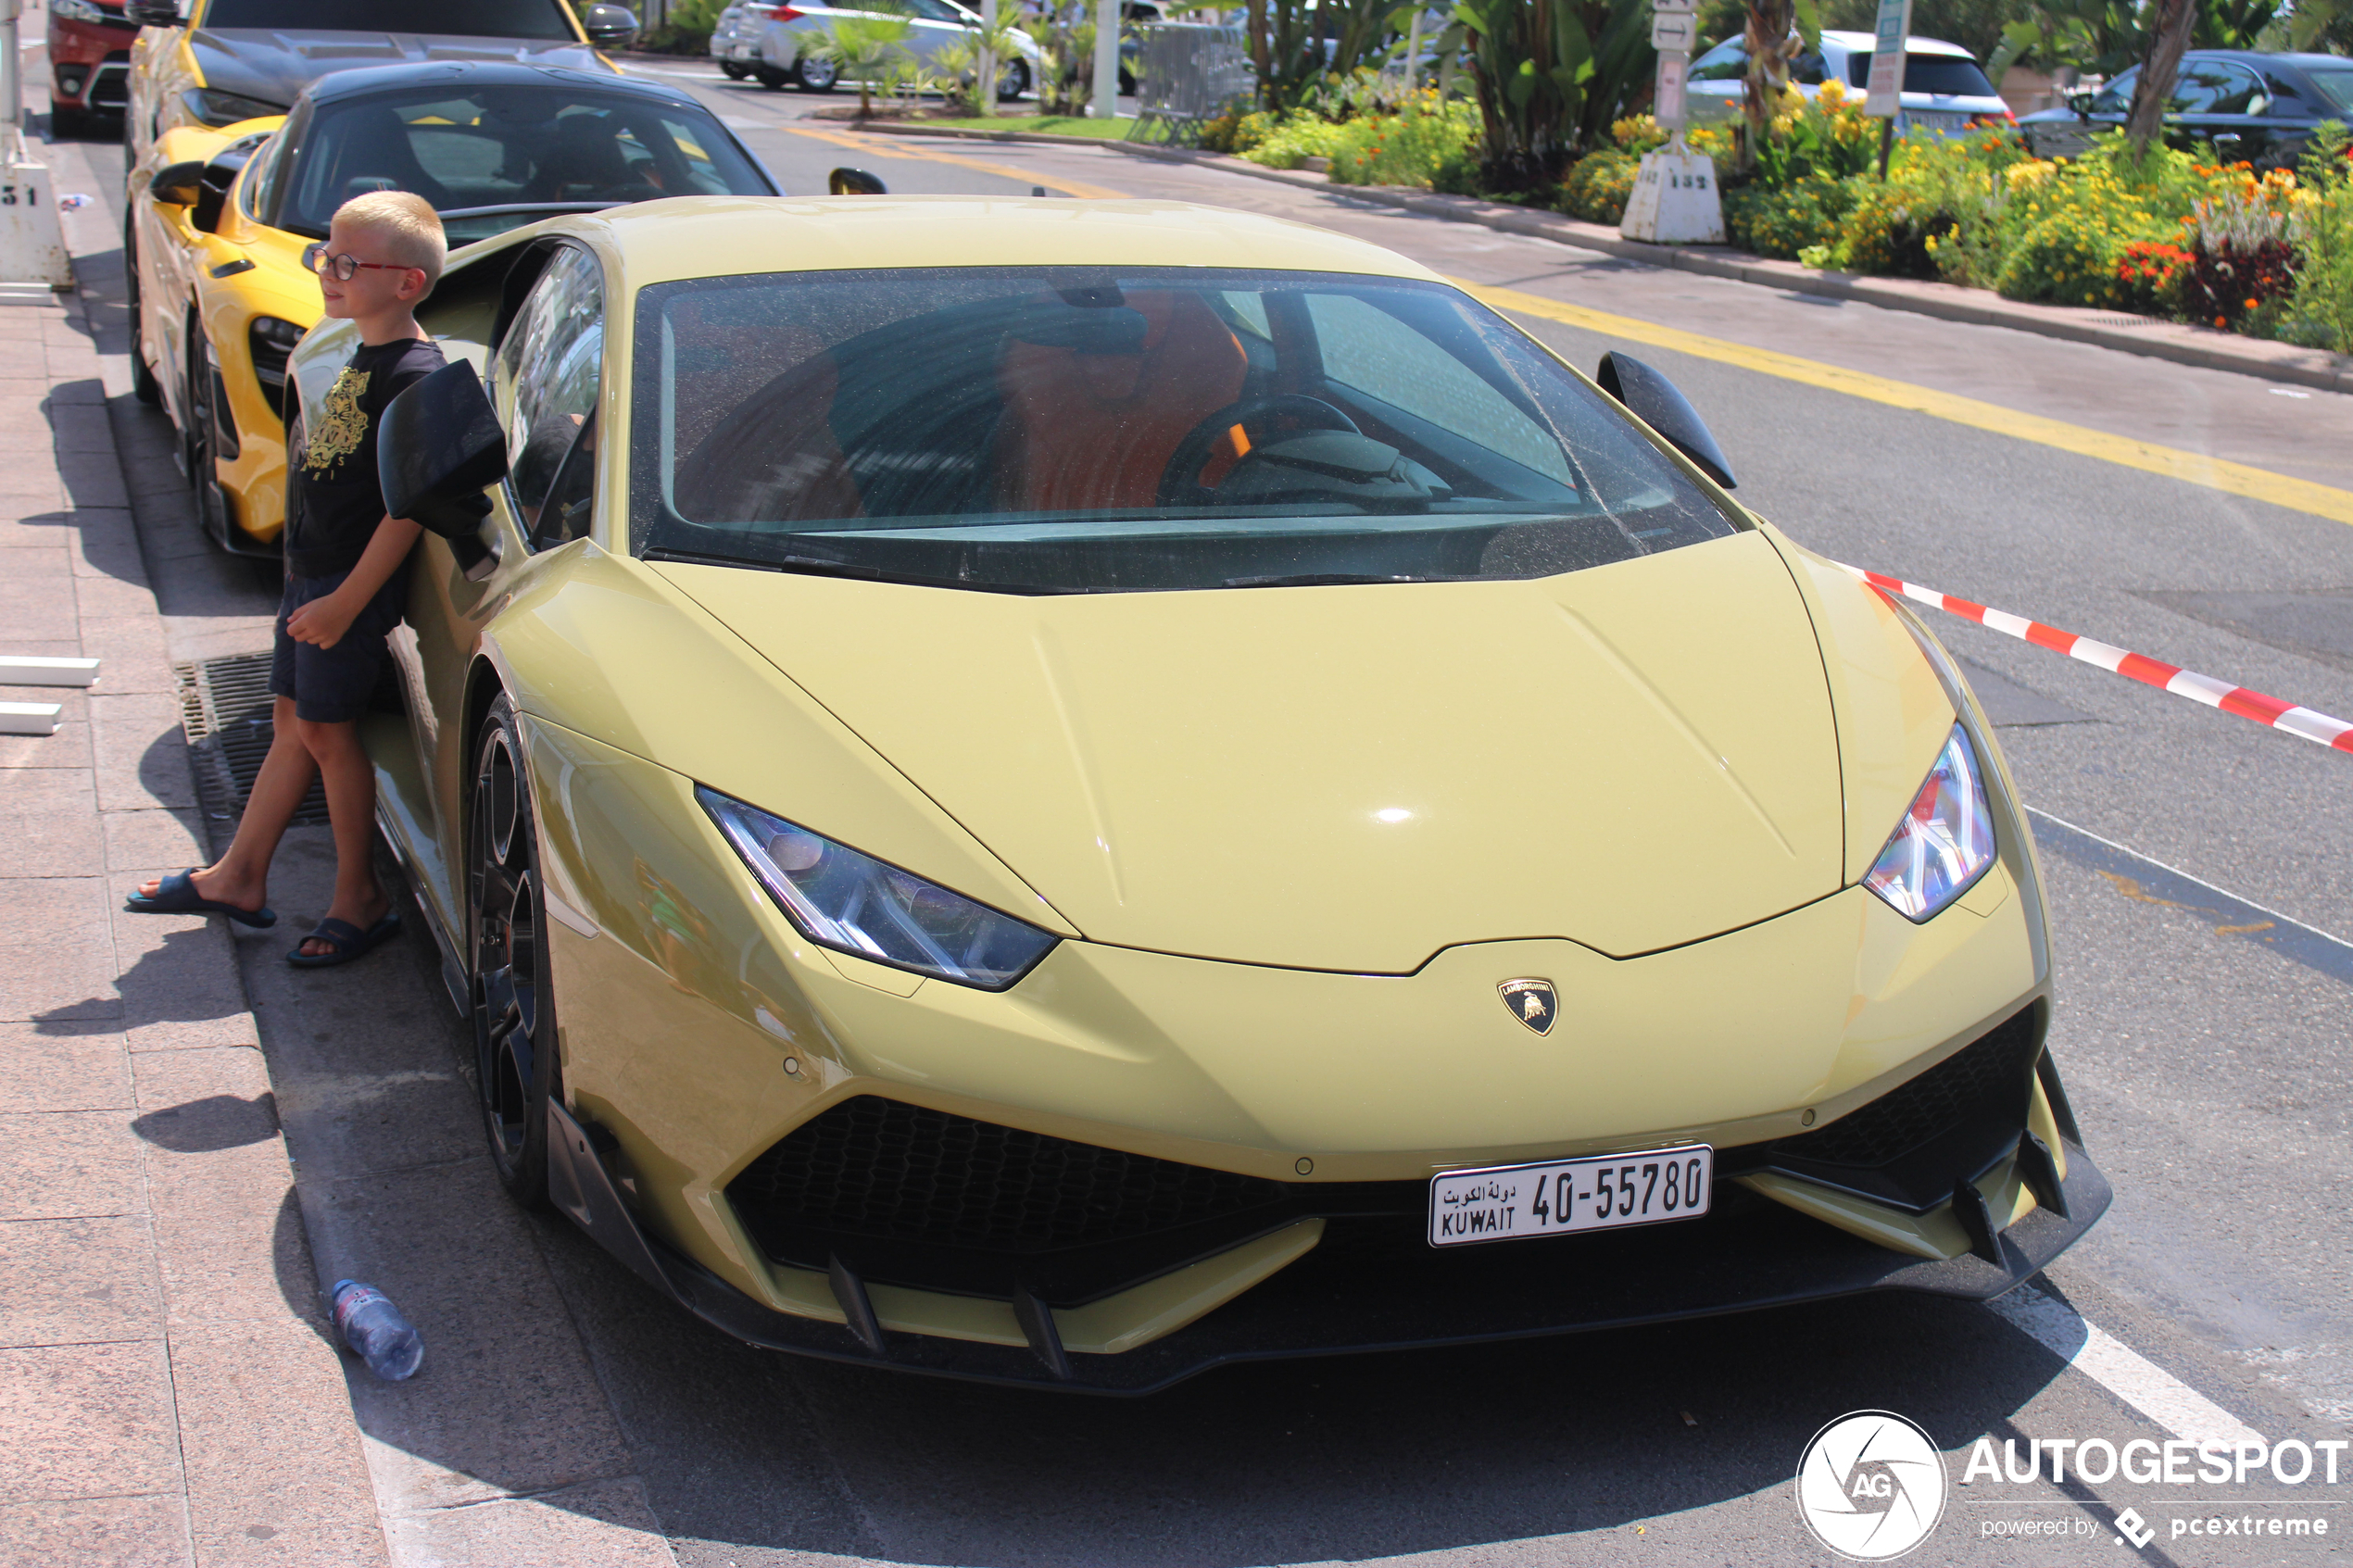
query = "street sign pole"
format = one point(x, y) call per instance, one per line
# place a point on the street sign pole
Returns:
point(1674, 200)
point(32, 245)
point(1106, 59)
point(1883, 98)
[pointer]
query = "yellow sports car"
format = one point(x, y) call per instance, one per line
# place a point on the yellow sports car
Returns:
point(221, 221)
point(1067, 792)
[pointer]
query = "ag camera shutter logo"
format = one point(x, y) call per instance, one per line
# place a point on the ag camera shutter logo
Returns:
point(1871, 1486)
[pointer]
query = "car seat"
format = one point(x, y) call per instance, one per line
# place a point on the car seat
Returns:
point(1092, 431)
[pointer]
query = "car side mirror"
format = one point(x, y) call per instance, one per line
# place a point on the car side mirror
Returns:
point(180, 185)
point(2082, 104)
point(1654, 399)
point(154, 13)
point(438, 447)
point(855, 182)
point(609, 27)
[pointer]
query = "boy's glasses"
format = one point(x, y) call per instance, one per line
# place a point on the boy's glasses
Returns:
point(343, 267)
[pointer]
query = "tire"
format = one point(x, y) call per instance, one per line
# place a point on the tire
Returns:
point(732, 71)
point(1013, 82)
point(816, 76)
point(143, 385)
point(66, 122)
point(772, 79)
point(516, 1073)
point(197, 440)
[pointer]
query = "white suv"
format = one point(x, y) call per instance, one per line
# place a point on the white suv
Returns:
point(789, 30)
point(1944, 88)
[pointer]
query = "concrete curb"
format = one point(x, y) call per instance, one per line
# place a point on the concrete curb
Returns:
point(2146, 336)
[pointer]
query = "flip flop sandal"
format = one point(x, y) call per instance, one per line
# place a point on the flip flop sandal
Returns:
point(345, 940)
point(177, 894)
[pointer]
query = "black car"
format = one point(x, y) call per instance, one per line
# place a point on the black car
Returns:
point(246, 58)
point(2258, 107)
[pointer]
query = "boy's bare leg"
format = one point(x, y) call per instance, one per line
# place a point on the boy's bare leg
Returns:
point(242, 876)
point(350, 779)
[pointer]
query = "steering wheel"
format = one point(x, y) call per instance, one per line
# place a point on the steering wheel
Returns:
point(1180, 483)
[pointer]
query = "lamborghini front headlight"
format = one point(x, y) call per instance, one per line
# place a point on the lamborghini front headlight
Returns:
point(1945, 840)
point(854, 903)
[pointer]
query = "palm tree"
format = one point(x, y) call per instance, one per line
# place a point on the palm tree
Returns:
point(867, 45)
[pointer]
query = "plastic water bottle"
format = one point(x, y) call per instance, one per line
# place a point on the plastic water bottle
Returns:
point(374, 1329)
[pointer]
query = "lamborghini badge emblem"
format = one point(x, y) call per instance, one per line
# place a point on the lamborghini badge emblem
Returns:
point(1532, 1002)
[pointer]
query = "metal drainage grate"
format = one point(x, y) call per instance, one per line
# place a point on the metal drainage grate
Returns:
point(225, 706)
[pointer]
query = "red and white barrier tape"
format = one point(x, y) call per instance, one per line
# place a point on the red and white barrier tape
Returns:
point(2318, 727)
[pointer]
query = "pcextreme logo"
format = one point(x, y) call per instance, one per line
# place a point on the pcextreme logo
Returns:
point(1871, 1486)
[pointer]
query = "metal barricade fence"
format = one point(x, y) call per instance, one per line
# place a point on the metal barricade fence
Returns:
point(1187, 74)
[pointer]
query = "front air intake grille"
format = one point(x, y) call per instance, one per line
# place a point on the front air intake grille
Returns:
point(1986, 1077)
point(879, 1169)
point(1951, 1124)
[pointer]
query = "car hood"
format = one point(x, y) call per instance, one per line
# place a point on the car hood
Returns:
point(276, 65)
point(1351, 778)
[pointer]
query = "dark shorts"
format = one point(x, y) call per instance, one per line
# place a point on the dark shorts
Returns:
point(335, 686)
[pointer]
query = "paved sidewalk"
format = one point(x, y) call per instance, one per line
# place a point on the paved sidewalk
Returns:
point(167, 1391)
point(503, 1451)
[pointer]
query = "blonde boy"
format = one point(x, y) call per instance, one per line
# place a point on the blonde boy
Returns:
point(346, 590)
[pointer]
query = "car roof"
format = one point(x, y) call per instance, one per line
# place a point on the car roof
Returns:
point(684, 237)
point(1865, 43)
point(2271, 57)
point(362, 80)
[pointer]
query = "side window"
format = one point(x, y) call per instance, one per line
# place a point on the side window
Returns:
point(548, 371)
point(1369, 350)
point(2117, 96)
point(2201, 89)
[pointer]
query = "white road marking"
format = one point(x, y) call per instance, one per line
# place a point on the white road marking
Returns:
point(2117, 1368)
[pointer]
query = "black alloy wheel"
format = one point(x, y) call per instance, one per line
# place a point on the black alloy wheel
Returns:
point(1013, 82)
point(199, 443)
point(143, 385)
point(516, 1073)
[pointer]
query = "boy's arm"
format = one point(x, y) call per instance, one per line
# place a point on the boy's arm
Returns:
point(324, 621)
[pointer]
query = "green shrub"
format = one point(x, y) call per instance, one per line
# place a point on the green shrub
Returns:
point(1782, 222)
point(1887, 232)
point(1406, 147)
point(2319, 310)
point(1598, 185)
point(2069, 256)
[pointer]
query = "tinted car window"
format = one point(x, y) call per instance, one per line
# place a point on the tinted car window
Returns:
point(1947, 74)
point(1053, 429)
point(465, 18)
point(549, 366)
point(514, 145)
point(2117, 96)
point(2212, 87)
point(2335, 83)
point(1727, 62)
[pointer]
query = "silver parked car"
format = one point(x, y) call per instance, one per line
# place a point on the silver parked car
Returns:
point(785, 54)
point(1944, 88)
point(735, 41)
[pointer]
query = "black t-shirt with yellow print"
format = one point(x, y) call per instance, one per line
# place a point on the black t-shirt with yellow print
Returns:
point(333, 500)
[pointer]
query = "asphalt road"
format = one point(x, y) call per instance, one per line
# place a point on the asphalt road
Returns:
point(2204, 1047)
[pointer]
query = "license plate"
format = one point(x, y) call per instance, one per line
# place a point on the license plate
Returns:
point(1563, 1197)
point(1936, 121)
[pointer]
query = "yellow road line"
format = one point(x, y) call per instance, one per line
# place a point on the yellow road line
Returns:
point(878, 147)
point(2192, 468)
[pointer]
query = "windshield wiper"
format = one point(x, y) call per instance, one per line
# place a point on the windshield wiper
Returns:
point(810, 564)
point(1328, 580)
point(504, 208)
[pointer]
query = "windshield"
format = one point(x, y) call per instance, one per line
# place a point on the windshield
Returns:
point(463, 18)
point(1066, 430)
point(536, 147)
